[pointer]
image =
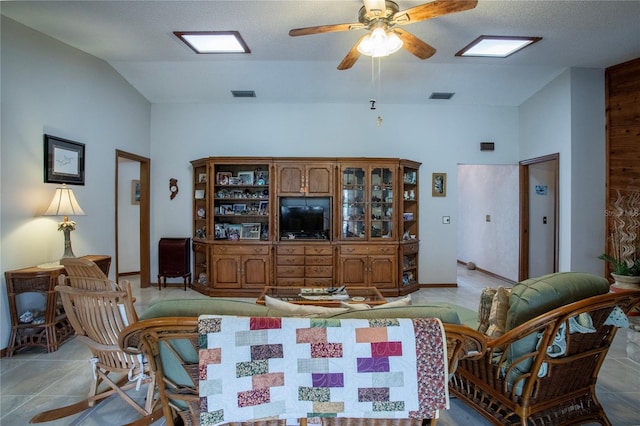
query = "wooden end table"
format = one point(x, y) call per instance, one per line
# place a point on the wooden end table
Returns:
point(50, 328)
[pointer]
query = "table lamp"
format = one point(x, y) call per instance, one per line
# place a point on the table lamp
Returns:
point(64, 204)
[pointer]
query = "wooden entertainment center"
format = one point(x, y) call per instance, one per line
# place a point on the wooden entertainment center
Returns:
point(306, 222)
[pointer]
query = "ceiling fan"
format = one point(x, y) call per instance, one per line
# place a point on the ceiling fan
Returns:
point(383, 19)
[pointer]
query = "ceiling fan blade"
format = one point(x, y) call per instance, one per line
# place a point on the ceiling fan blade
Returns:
point(325, 29)
point(414, 45)
point(432, 10)
point(351, 57)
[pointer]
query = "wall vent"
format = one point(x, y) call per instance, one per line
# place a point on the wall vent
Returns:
point(243, 93)
point(487, 146)
point(441, 95)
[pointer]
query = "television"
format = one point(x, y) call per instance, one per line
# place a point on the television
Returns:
point(305, 222)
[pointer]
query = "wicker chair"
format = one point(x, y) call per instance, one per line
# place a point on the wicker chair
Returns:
point(171, 345)
point(98, 317)
point(537, 388)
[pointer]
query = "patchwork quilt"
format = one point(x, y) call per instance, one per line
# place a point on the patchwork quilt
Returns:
point(256, 368)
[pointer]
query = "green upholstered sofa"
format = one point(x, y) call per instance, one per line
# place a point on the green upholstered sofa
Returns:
point(167, 333)
point(447, 313)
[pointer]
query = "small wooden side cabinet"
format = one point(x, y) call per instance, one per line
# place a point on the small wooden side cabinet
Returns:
point(49, 326)
point(174, 260)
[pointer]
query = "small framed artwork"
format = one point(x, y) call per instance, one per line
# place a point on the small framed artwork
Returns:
point(135, 192)
point(246, 178)
point(439, 185)
point(233, 232)
point(262, 178)
point(63, 161)
point(199, 194)
point(202, 178)
point(263, 208)
point(250, 231)
point(239, 208)
point(222, 178)
point(220, 231)
point(225, 209)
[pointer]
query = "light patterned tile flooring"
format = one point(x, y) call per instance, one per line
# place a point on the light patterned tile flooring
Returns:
point(33, 381)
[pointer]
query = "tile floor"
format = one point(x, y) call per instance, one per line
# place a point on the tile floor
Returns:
point(33, 381)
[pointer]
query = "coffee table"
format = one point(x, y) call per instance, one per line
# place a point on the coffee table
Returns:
point(320, 297)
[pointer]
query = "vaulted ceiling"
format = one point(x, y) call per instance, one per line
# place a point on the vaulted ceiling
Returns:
point(136, 39)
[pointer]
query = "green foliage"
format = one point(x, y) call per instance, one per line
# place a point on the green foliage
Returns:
point(622, 268)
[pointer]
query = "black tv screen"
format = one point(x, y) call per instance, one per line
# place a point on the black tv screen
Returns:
point(302, 221)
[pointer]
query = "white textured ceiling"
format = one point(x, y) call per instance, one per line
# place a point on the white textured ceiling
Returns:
point(136, 38)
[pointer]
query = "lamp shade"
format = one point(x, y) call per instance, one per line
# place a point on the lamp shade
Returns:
point(64, 203)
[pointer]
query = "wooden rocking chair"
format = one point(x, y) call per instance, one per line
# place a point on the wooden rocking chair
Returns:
point(98, 317)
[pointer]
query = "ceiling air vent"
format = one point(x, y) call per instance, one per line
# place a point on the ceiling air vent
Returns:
point(441, 95)
point(243, 93)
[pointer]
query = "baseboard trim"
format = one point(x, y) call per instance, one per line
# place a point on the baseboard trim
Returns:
point(438, 285)
point(491, 274)
point(127, 274)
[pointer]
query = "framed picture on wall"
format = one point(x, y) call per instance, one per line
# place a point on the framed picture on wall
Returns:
point(63, 161)
point(439, 185)
point(135, 191)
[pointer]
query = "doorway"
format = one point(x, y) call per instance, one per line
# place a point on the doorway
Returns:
point(132, 196)
point(539, 208)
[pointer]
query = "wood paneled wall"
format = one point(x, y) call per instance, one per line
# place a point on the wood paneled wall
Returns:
point(622, 83)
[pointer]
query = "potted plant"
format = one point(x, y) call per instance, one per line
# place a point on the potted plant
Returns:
point(624, 240)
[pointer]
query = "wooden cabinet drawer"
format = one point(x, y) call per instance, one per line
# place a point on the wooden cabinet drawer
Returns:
point(318, 282)
point(290, 250)
point(318, 260)
point(318, 271)
point(290, 271)
point(317, 250)
point(409, 248)
point(290, 282)
point(290, 260)
point(244, 249)
point(368, 250)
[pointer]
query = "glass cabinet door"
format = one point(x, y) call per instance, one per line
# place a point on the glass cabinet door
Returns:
point(381, 202)
point(354, 203)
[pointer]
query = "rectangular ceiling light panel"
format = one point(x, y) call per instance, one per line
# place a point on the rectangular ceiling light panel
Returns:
point(496, 46)
point(203, 42)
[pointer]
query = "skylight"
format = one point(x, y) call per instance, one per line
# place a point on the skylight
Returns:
point(203, 42)
point(496, 46)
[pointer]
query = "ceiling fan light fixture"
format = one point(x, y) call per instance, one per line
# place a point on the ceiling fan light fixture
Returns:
point(380, 43)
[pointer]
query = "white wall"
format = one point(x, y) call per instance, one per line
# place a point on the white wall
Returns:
point(437, 135)
point(489, 190)
point(567, 117)
point(49, 87)
point(588, 152)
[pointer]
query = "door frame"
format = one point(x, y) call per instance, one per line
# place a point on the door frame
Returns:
point(523, 267)
point(145, 214)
